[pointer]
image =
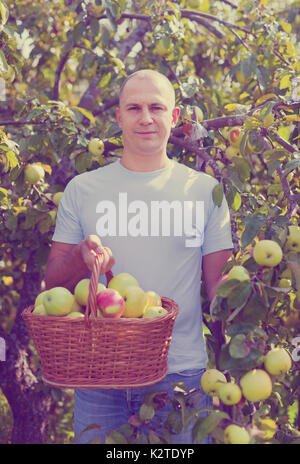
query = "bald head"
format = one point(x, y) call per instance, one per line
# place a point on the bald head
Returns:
point(150, 74)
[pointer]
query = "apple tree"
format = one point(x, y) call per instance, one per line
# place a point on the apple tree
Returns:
point(235, 69)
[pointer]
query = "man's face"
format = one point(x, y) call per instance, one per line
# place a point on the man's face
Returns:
point(146, 115)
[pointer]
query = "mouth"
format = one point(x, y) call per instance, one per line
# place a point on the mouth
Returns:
point(145, 132)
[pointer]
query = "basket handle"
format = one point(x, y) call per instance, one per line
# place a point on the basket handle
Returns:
point(91, 307)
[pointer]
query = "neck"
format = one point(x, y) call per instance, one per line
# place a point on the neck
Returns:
point(144, 163)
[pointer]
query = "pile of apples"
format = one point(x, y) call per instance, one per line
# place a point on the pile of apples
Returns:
point(123, 297)
point(255, 385)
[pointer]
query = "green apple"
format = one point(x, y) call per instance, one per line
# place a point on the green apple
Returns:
point(211, 380)
point(122, 281)
point(39, 299)
point(40, 309)
point(277, 361)
point(153, 299)
point(230, 393)
point(285, 283)
point(193, 113)
point(75, 314)
point(76, 307)
point(236, 435)
point(56, 197)
point(135, 301)
point(154, 311)
point(293, 239)
point(81, 291)
point(256, 385)
point(161, 48)
point(235, 136)
point(96, 146)
point(58, 301)
point(267, 253)
point(231, 152)
point(239, 273)
point(33, 173)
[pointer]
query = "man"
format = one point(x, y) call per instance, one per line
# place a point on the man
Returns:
point(168, 253)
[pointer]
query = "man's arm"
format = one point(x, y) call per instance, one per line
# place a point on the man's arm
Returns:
point(212, 265)
point(67, 263)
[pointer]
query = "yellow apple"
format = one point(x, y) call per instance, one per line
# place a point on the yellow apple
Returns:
point(39, 298)
point(96, 146)
point(277, 361)
point(81, 291)
point(56, 197)
point(40, 309)
point(75, 314)
point(76, 306)
point(135, 301)
point(58, 301)
point(122, 281)
point(153, 299)
point(33, 173)
point(239, 273)
point(293, 238)
point(267, 253)
point(231, 152)
point(256, 385)
point(230, 393)
point(211, 380)
point(236, 435)
point(154, 311)
point(285, 283)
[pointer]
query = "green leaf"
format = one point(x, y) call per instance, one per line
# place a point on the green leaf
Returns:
point(4, 13)
point(255, 310)
point(218, 194)
point(238, 347)
point(254, 223)
point(86, 113)
point(239, 295)
point(205, 425)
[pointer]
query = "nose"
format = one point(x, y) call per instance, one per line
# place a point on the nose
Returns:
point(146, 117)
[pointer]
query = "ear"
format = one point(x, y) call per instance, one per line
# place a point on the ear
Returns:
point(175, 116)
point(118, 116)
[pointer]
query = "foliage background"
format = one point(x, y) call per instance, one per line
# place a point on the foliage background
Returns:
point(62, 63)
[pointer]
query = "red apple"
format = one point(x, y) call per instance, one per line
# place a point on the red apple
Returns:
point(110, 303)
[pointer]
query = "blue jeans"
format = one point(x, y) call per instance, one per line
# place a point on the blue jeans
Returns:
point(110, 408)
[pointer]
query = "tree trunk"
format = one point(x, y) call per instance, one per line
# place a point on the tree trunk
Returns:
point(29, 402)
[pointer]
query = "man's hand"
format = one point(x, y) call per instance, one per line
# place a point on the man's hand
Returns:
point(92, 245)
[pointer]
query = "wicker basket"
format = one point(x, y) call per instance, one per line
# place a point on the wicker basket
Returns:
point(93, 352)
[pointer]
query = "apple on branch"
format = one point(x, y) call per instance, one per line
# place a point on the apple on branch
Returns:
point(211, 380)
point(96, 146)
point(267, 253)
point(235, 136)
point(239, 273)
point(230, 393)
point(293, 239)
point(277, 361)
point(56, 197)
point(236, 435)
point(110, 303)
point(33, 173)
point(256, 385)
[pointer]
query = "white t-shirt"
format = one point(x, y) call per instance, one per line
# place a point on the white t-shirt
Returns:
point(158, 225)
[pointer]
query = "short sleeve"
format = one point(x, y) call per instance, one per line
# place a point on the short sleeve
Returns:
point(217, 233)
point(68, 228)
